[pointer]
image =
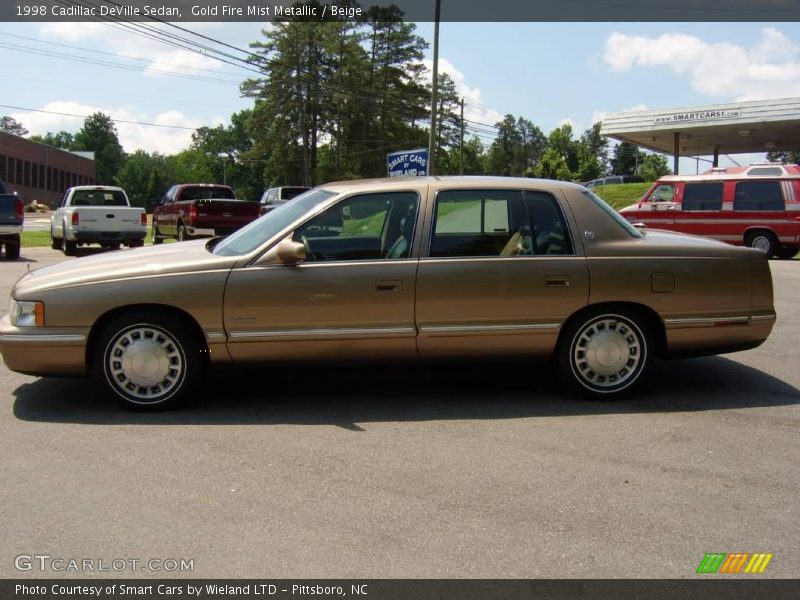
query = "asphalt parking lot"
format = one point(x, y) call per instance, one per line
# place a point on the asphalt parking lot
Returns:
point(433, 471)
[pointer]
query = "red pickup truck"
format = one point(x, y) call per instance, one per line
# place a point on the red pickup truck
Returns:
point(190, 210)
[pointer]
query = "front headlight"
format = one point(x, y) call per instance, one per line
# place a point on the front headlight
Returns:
point(26, 314)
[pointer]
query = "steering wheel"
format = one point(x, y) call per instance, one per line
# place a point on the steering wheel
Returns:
point(309, 252)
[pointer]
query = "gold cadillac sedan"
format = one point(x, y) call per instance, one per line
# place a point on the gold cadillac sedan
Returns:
point(396, 269)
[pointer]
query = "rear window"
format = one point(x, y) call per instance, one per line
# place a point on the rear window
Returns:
point(758, 195)
point(99, 198)
point(702, 196)
point(206, 193)
point(288, 193)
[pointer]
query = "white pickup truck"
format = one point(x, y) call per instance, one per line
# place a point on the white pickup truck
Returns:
point(97, 214)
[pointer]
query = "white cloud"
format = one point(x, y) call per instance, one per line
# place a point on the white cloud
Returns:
point(155, 56)
point(474, 108)
point(769, 69)
point(131, 135)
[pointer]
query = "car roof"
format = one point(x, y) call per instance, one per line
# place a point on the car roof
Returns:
point(466, 181)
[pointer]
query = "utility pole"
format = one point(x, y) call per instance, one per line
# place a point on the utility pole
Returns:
point(461, 151)
point(434, 92)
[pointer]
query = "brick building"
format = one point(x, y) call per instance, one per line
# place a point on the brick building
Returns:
point(40, 172)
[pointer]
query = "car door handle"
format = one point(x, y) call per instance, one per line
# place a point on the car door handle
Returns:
point(556, 281)
point(388, 286)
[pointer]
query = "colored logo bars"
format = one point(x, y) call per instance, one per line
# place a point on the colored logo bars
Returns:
point(720, 562)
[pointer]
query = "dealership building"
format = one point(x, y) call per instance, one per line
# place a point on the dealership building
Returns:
point(40, 172)
point(733, 128)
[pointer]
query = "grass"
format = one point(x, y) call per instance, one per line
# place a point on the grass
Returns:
point(622, 194)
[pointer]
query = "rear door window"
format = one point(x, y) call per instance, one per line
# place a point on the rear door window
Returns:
point(758, 196)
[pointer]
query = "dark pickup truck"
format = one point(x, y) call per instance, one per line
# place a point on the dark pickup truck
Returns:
point(12, 216)
point(194, 210)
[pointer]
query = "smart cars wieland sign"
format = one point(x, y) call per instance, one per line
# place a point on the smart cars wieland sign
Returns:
point(407, 163)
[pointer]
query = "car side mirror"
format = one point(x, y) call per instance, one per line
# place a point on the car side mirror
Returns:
point(290, 252)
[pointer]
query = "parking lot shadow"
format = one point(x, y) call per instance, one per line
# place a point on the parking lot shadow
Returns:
point(348, 395)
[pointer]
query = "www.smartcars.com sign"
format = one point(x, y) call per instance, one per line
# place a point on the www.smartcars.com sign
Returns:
point(698, 115)
point(407, 163)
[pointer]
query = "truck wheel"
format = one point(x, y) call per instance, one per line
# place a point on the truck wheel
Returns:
point(12, 249)
point(55, 242)
point(787, 252)
point(157, 239)
point(604, 353)
point(182, 235)
point(146, 361)
point(69, 248)
point(764, 241)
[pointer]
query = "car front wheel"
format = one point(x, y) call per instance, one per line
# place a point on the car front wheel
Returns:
point(604, 353)
point(147, 362)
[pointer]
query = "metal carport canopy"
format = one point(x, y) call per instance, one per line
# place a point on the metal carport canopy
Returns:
point(734, 128)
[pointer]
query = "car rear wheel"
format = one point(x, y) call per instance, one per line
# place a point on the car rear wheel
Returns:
point(157, 239)
point(12, 249)
point(787, 252)
point(68, 247)
point(764, 241)
point(147, 362)
point(55, 242)
point(604, 353)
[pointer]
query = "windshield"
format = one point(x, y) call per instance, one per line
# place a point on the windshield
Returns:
point(251, 236)
point(613, 214)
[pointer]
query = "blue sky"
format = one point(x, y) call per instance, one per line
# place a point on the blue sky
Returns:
point(547, 72)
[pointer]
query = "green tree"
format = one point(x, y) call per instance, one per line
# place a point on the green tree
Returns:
point(62, 139)
point(592, 154)
point(787, 157)
point(99, 135)
point(145, 177)
point(654, 166)
point(627, 158)
point(12, 126)
point(505, 148)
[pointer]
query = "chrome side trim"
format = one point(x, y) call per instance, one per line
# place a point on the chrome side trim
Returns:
point(483, 328)
point(762, 318)
point(343, 331)
point(46, 338)
point(743, 320)
point(215, 336)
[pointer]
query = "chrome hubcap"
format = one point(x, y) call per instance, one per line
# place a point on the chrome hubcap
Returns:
point(761, 243)
point(145, 363)
point(607, 352)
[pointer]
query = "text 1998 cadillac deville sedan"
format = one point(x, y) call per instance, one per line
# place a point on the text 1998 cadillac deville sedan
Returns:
point(396, 269)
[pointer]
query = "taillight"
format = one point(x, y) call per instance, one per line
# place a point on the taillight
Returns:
point(75, 218)
point(144, 219)
point(192, 212)
point(20, 209)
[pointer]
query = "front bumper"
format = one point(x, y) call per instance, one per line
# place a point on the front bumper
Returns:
point(43, 350)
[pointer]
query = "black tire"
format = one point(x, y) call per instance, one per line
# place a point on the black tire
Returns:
point(787, 252)
point(764, 241)
point(157, 239)
point(55, 242)
point(166, 354)
point(12, 250)
point(182, 234)
point(605, 353)
point(69, 248)
point(135, 243)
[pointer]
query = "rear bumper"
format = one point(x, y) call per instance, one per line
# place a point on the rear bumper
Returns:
point(104, 237)
point(43, 350)
point(10, 231)
point(716, 335)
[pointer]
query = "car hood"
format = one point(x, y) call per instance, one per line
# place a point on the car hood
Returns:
point(138, 262)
